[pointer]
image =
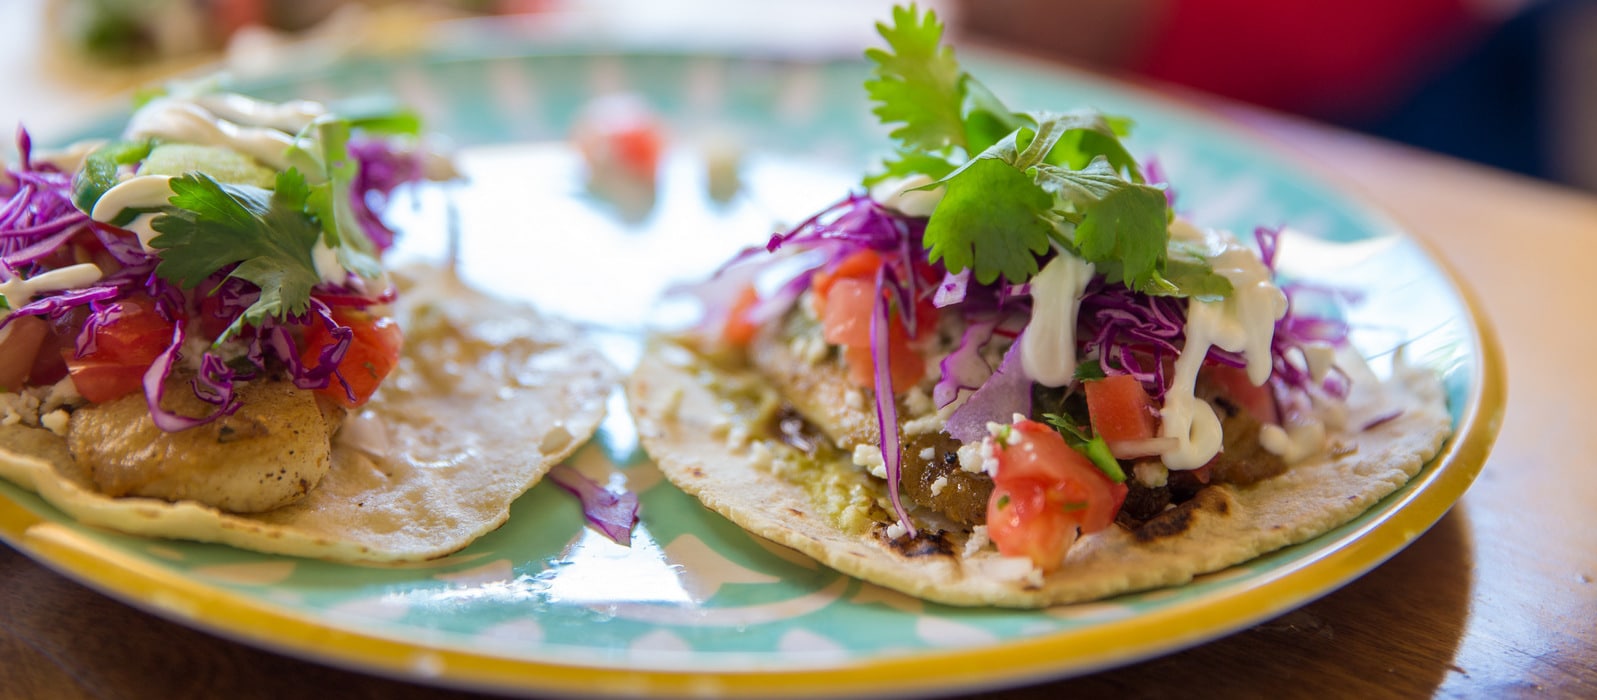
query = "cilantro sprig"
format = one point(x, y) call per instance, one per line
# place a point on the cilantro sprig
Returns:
point(267, 234)
point(1017, 185)
point(270, 235)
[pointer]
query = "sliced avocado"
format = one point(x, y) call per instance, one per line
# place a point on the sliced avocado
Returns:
point(222, 164)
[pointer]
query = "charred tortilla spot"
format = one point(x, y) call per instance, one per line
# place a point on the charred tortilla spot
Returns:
point(1179, 519)
point(924, 543)
point(796, 512)
point(1142, 503)
point(696, 472)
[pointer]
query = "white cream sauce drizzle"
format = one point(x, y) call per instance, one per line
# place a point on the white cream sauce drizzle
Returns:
point(1242, 322)
point(901, 194)
point(262, 130)
point(187, 120)
point(1048, 347)
point(141, 192)
point(19, 291)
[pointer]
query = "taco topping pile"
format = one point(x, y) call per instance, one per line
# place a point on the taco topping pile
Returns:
point(199, 341)
point(224, 251)
point(1013, 332)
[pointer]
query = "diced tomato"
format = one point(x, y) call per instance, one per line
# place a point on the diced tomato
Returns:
point(123, 350)
point(846, 316)
point(845, 299)
point(50, 364)
point(1043, 490)
point(372, 355)
point(904, 364)
point(1120, 409)
point(861, 264)
point(846, 321)
point(1022, 523)
point(19, 349)
point(739, 330)
point(106, 381)
point(1233, 382)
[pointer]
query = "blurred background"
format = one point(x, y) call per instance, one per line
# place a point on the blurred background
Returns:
point(1507, 83)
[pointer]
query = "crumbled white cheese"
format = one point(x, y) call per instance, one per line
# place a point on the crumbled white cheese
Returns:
point(973, 457)
point(927, 453)
point(924, 425)
point(809, 348)
point(18, 407)
point(56, 421)
point(978, 541)
point(1151, 474)
point(870, 457)
point(896, 530)
point(62, 394)
point(31, 405)
point(917, 402)
point(938, 486)
point(760, 455)
point(854, 400)
point(1018, 569)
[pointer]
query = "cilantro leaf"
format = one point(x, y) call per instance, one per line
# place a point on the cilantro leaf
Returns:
point(329, 200)
point(1086, 135)
point(987, 120)
point(1120, 221)
point(1094, 448)
point(1031, 178)
point(1192, 275)
point(917, 83)
point(1088, 370)
point(991, 218)
point(267, 234)
point(908, 163)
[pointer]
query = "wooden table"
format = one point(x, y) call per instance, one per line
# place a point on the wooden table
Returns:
point(1498, 599)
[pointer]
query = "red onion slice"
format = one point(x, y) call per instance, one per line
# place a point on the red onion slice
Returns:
point(1149, 447)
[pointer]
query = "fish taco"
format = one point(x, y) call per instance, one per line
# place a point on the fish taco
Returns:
point(200, 341)
point(1008, 374)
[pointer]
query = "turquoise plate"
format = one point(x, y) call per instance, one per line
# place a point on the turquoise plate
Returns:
point(696, 606)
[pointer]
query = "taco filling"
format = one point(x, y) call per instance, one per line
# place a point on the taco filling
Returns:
point(1008, 373)
point(198, 339)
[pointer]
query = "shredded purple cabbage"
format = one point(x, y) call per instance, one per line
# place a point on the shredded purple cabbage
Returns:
point(612, 513)
point(964, 369)
point(1154, 170)
point(382, 170)
point(997, 400)
point(1129, 332)
point(38, 218)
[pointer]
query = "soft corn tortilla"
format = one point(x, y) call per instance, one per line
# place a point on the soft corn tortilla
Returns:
point(486, 399)
point(691, 427)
